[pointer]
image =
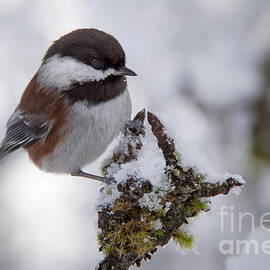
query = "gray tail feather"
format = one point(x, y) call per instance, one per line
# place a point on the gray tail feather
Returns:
point(6, 149)
point(3, 153)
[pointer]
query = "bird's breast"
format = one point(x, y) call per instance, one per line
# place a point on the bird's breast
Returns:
point(89, 130)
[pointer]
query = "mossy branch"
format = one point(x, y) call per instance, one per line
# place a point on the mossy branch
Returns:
point(131, 231)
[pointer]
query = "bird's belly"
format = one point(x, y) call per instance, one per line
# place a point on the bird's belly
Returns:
point(90, 130)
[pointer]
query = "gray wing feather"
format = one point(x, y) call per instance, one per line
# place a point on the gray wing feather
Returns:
point(22, 131)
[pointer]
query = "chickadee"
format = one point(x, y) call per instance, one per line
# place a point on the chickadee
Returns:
point(74, 106)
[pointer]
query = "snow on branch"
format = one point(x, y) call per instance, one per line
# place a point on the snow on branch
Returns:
point(152, 197)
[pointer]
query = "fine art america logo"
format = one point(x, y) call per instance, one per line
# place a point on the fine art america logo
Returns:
point(231, 221)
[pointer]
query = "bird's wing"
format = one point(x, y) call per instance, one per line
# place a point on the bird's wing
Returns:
point(22, 130)
point(33, 118)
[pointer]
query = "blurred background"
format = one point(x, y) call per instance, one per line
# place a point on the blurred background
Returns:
point(204, 68)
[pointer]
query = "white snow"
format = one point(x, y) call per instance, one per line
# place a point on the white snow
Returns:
point(149, 165)
point(237, 177)
point(107, 195)
point(158, 225)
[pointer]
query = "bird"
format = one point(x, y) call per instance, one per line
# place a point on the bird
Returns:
point(74, 106)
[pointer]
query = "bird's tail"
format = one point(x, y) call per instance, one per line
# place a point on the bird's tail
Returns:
point(3, 153)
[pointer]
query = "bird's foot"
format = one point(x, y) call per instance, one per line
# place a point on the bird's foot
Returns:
point(106, 180)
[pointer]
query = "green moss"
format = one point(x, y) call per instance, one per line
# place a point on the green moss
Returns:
point(134, 235)
point(183, 239)
point(109, 191)
point(200, 176)
point(107, 250)
point(195, 206)
point(159, 232)
point(139, 235)
point(120, 204)
point(159, 212)
point(99, 238)
point(147, 215)
point(178, 156)
point(141, 241)
point(176, 172)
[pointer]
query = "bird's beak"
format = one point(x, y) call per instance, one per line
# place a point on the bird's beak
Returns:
point(125, 72)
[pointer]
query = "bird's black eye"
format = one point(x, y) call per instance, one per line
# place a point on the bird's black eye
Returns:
point(97, 64)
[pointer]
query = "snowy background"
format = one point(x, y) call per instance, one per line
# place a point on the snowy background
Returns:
point(203, 67)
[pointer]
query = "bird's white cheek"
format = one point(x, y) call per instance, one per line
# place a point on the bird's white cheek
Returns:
point(61, 72)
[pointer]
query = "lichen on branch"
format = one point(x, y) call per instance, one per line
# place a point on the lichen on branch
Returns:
point(137, 215)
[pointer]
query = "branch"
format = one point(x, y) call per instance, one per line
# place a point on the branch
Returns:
point(138, 216)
